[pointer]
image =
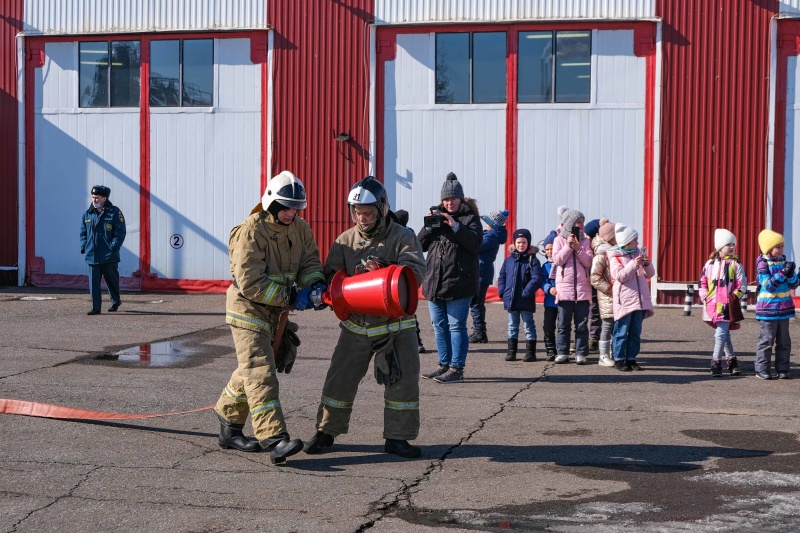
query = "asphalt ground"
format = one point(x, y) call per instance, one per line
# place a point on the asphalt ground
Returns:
point(516, 446)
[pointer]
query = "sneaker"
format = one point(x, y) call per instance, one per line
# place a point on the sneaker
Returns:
point(562, 358)
point(580, 359)
point(441, 369)
point(478, 337)
point(606, 361)
point(594, 346)
point(318, 443)
point(763, 375)
point(402, 448)
point(733, 366)
point(94, 312)
point(716, 368)
point(621, 366)
point(551, 356)
point(421, 349)
point(633, 365)
point(783, 375)
point(454, 375)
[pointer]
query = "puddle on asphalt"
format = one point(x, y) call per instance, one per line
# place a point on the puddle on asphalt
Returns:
point(186, 351)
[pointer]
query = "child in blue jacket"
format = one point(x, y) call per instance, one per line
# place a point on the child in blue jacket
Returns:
point(520, 278)
point(550, 306)
point(494, 235)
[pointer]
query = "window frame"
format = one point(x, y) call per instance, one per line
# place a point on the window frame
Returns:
point(109, 75)
point(553, 67)
point(181, 105)
point(471, 66)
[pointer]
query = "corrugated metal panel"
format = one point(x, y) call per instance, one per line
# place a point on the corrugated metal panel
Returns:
point(321, 83)
point(589, 157)
point(791, 222)
point(204, 170)
point(75, 150)
point(714, 130)
point(116, 16)
point(420, 11)
point(10, 25)
point(789, 7)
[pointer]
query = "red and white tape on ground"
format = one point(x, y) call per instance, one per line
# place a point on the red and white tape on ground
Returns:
point(45, 410)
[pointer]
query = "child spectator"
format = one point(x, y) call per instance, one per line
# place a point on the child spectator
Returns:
point(572, 257)
point(494, 234)
point(630, 268)
point(776, 280)
point(591, 229)
point(550, 307)
point(722, 276)
point(602, 283)
point(520, 277)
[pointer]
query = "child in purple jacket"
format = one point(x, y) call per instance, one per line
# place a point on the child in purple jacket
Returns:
point(572, 260)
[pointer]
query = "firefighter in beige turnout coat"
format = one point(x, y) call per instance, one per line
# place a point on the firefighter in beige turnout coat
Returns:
point(272, 253)
point(392, 342)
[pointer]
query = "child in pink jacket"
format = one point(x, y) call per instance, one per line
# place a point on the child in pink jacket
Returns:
point(630, 269)
point(572, 260)
point(722, 275)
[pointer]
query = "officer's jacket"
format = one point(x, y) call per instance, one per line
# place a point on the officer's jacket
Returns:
point(102, 234)
point(267, 259)
point(393, 243)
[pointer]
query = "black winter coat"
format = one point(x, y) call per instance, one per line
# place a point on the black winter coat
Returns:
point(452, 261)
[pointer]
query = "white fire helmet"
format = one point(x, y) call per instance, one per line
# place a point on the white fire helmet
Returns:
point(285, 189)
point(368, 191)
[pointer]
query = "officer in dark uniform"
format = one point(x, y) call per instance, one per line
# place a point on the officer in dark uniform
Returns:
point(102, 235)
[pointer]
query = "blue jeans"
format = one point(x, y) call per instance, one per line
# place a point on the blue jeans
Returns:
point(628, 336)
point(449, 320)
point(722, 341)
point(527, 319)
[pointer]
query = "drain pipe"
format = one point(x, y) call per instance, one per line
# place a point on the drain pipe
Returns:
point(22, 215)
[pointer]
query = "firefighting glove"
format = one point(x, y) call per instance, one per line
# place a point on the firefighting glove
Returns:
point(788, 269)
point(303, 300)
point(387, 367)
point(287, 351)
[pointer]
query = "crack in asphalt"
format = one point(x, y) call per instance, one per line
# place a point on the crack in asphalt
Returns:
point(402, 496)
point(69, 494)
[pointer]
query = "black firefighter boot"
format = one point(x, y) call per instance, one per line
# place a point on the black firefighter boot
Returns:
point(402, 448)
point(530, 351)
point(280, 447)
point(511, 355)
point(231, 436)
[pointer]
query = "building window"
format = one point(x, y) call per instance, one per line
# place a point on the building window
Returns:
point(182, 73)
point(565, 80)
point(470, 68)
point(109, 74)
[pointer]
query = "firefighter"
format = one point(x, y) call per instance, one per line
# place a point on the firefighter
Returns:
point(275, 264)
point(376, 241)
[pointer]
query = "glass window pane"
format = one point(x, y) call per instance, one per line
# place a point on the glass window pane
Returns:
point(165, 73)
point(125, 63)
point(452, 68)
point(93, 58)
point(535, 76)
point(573, 66)
point(198, 72)
point(489, 67)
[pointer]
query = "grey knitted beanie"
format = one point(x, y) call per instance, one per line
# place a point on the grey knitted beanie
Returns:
point(451, 188)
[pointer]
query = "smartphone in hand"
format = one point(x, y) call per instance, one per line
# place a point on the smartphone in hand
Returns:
point(576, 232)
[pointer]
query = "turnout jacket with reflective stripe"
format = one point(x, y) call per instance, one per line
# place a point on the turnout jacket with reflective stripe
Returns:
point(393, 243)
point(267, 258)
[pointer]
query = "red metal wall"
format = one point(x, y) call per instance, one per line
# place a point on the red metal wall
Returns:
point(714, 119)
point(321, 84)
point(10, 25)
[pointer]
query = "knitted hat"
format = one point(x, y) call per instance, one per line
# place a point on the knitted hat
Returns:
point(451, 188)
point(495, 219)
point(768, 239)
point(722, 238)
point(624, 234)
point(521, 232)
point(550, 239)
point(606, 231)
point(101, 190)
point(569, 217)
point(591, 228)
point(402, 216)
